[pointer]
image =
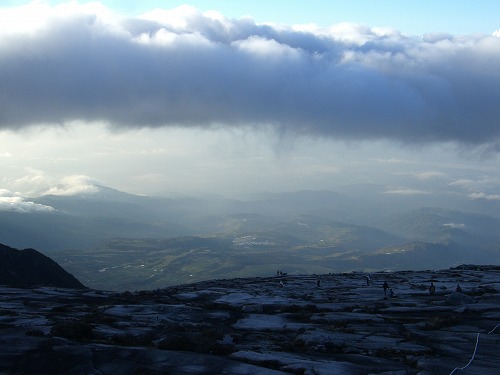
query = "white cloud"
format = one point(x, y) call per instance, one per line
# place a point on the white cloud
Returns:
point(266, 48)
point(74, 185)
point(391, 161)
point(178, 18)
point(37, 15)
point(463, 182)
point(352, 33)
point(428, 175)
point(488, 197)
point(26, 18)
point(454, 225)
point(421, 176)
point(406, 191)
point(15, 203)
point(30, 182)
point(37, 182)
point(483, 183)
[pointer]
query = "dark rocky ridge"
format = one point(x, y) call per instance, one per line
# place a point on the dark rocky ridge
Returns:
point(254, 326)
point(28, 268)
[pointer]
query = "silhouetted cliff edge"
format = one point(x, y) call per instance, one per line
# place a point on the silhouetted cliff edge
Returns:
point(27, 268)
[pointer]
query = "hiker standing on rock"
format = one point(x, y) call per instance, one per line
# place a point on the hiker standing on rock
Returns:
point(432, 289)
point(386, 286)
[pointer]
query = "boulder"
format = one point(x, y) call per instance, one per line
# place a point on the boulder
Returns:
point(457, 299)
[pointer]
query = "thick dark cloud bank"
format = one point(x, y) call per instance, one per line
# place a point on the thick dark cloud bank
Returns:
point(347, 82)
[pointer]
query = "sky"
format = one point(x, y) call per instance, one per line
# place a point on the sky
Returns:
point(238, 97)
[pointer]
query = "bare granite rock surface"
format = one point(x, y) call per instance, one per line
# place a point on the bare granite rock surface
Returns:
point(260, 326)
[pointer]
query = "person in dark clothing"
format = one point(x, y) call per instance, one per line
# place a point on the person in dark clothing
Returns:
point(386, 286)
point(432, 289)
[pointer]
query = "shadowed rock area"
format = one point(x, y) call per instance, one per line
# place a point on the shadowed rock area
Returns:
point(257, 326)
point(28, 267)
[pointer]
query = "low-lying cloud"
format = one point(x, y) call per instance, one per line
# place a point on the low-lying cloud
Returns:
point(186, 68)
point(488, 197)
point(73, 185)
point(15, 203)
point(454, 225)
point(406, 191)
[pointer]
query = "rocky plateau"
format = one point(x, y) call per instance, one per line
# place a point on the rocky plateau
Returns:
point(283, 324)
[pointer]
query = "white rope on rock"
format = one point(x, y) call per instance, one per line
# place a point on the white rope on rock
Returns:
point(498, 325)
point(475, 350)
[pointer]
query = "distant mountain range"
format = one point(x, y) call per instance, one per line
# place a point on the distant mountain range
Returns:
point(115, 240)
point(28, 268)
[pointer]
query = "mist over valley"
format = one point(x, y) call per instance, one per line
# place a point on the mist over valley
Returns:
point(117, 241)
